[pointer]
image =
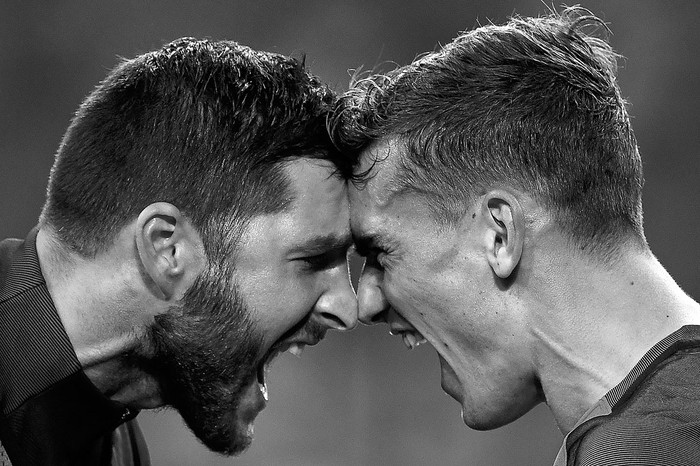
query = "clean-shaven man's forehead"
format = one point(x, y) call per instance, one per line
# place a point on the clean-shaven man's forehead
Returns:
point(380, 159)
point(372, 199)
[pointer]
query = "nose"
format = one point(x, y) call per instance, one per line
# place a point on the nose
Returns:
point(336, 308)
point(372, 304)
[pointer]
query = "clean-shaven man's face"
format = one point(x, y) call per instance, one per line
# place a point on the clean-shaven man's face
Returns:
point(433, 281)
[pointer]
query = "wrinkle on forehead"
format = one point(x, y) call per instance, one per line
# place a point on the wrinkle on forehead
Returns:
point(380, 158)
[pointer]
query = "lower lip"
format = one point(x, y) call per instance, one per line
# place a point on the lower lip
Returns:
point(252, 401)
point(448, 380)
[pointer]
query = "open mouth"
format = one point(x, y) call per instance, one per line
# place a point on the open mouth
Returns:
point(411, 338)
point(295, 348)
point(305, 333)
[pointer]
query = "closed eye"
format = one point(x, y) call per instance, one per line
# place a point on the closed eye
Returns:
point(321, 252)
point(324, 260)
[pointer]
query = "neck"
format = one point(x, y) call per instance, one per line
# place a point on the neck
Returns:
point(96, 300)
point(592, 324)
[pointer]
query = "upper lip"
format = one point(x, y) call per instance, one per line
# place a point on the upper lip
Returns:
point(304, 332)
point(397, 323)
point(283, 345)
point(395, 328)
point(305, 340)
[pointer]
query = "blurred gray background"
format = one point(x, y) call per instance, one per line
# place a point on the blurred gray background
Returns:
point(359, 398)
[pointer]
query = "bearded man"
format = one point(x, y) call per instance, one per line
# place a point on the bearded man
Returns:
point(196, 225)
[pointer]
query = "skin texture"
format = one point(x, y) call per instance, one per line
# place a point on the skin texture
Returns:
point(435, 281)
point(195, 335)
point(209, 350)
point(302, 254)
point(516, 314)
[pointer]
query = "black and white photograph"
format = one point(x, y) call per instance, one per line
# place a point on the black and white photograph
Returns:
point(349, 233)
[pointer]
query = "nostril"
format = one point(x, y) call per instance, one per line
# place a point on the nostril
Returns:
point(376, 318)
point(334, 321)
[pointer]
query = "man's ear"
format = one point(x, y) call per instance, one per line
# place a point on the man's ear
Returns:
point(170, 249)
point(505, 231)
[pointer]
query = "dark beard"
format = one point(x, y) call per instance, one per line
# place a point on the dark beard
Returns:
point(206, 352)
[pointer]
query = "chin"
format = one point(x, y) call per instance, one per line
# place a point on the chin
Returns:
point(229, 436)
point(234, 448)
point(226, 425)
point(481, 422)
point(492, 419)
point(238, 442)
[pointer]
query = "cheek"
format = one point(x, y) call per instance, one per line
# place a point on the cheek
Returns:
point(279, 302)
point(408, 293)
point(433, 303)
point(414, 294)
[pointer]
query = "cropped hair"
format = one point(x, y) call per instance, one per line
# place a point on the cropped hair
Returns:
point(532, 104)
point(205, 125)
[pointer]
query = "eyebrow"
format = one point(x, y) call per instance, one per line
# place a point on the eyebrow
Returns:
point(322, 243)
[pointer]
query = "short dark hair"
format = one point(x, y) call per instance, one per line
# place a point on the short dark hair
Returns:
point(205, 125)
point(533, 103)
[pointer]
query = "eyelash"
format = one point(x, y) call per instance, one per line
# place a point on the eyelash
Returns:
point(317, 262)
point(321, 261)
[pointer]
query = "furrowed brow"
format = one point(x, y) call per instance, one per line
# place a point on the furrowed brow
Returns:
point(322, 243)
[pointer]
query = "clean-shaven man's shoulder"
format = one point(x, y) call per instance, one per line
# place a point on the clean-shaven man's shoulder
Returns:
point(658, 424)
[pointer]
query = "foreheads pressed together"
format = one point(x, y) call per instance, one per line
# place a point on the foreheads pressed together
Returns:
point(533, 104)
point(252, 153)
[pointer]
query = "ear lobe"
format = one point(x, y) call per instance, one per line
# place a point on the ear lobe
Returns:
point(505, 232)
point(167, 248)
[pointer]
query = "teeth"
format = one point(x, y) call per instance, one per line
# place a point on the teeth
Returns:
point(263, 390)
point(296, 349)
point(262, 383)
point(412, 339)
point(409, 340)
